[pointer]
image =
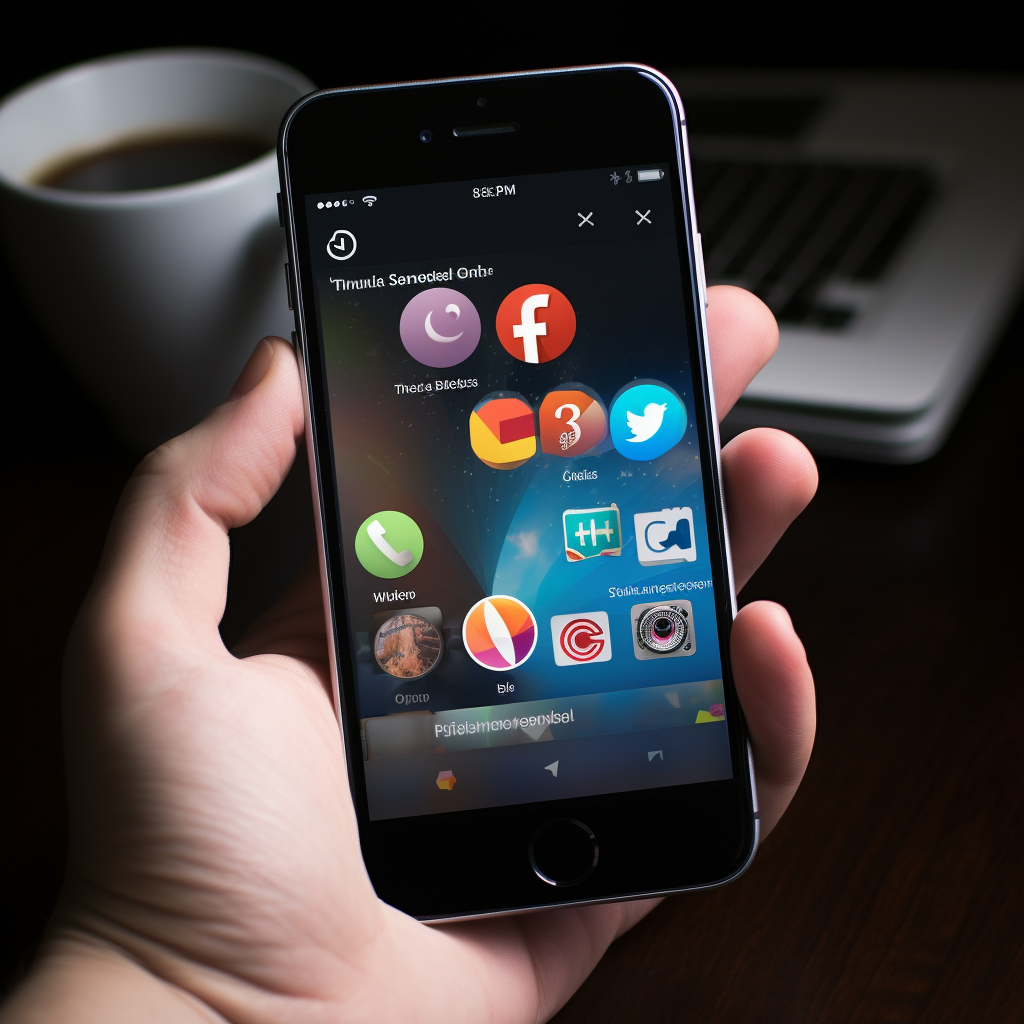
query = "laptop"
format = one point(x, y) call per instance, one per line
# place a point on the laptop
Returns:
point(881, 218)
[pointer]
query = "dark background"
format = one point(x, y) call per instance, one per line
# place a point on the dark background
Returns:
point(374, 42)
point(892, 889)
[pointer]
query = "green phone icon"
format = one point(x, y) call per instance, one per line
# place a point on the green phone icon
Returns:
point(389, 544)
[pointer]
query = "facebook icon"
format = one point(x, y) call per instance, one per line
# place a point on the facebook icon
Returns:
point(535, 323)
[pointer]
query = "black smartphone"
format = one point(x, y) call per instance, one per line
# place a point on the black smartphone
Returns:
point(500, 303)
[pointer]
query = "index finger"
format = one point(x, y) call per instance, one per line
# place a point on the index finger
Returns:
point(743, 336)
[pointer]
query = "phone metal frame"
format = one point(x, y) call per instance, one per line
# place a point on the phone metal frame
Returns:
point(301, 344)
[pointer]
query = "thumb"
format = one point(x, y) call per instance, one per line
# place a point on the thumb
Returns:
point(164, 572)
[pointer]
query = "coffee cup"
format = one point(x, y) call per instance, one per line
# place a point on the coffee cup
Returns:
point(153, 290)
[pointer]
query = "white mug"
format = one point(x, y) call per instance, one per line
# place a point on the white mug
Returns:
point(153, 298)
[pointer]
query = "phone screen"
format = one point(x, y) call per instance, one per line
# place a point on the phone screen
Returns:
point(529, 593)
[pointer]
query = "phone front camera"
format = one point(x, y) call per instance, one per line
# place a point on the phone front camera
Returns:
point(426, 135)
point(482, 102)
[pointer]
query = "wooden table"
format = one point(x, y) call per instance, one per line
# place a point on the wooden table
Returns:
point(892, 890)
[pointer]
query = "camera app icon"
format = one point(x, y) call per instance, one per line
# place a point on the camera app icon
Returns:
point(663, 630)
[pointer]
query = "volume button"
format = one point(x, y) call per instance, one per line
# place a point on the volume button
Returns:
point(288, 285)
point(701, 279)
point(280, 209)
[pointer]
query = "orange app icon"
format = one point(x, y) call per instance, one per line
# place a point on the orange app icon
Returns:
point(573, 421)
point(446, 780)
point(535, 323)
point(499, 633)
point(501, 431)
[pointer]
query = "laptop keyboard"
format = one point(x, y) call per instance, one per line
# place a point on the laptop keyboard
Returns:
point(794, 231)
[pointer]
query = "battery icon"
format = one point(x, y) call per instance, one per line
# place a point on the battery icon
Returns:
point(653, 175)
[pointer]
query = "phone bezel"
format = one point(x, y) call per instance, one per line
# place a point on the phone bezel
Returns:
point(658, 840)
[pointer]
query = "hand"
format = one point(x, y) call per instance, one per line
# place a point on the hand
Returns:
point(215, 870)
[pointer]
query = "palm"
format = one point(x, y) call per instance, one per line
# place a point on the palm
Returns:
point(243, 853)
point(213, 830)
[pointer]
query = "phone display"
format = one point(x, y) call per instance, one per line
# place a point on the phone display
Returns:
point(519, 493)
point(528, 587)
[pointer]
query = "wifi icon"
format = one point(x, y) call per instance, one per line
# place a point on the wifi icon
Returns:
point(369, 200)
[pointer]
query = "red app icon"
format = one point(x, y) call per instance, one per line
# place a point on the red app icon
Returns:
point(573, 421)
point(535, 323)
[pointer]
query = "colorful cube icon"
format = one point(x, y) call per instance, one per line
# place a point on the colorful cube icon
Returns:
point(716, 714)
point(446, 780)
point(501, 430)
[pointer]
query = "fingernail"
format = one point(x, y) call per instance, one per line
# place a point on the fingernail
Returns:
point(254, 371)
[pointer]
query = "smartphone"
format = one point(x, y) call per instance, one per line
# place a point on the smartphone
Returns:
point(500, 316)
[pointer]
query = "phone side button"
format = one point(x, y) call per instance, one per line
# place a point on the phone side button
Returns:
point(563, 852)
point(288, 285)
point(280, 209)
point(702, 280)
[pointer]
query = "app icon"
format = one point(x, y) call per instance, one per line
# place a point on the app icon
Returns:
point(499, 633)
point(389, 544)
point(535, 323)
point(716, 713)
point(407, 646)
point(501, 431)
point(341, 245)
point(572, 421)
point(440, 327)
point(663, 630)
point(592, 531)
point(665, 536)
point(647, 419)
point(446, 780)
point(582, 639)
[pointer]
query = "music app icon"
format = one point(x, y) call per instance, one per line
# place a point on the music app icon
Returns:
point(573, 421)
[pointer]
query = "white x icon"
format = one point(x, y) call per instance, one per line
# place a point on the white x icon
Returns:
point(587, 220)
point(643, 216)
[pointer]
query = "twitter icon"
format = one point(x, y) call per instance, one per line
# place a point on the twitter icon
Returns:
point(646, 420)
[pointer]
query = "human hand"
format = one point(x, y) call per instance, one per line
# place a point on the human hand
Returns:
point(215, 869)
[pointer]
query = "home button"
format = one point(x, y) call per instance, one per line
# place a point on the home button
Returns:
point(563, 852)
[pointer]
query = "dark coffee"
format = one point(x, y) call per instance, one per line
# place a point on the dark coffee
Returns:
point(153, 163)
